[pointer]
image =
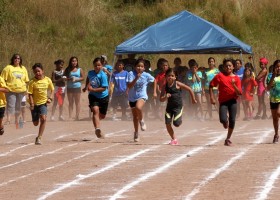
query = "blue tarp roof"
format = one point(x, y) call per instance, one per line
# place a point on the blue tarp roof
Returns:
point(183, 33)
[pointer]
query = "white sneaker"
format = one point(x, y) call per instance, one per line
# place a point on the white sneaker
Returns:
point(142, 125)
point(61, 118)
point(52, 118)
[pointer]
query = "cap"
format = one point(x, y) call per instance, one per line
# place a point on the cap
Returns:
point(104, 57)
point(264, 61)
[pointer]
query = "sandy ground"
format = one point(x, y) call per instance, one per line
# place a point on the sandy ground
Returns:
point(73, 164)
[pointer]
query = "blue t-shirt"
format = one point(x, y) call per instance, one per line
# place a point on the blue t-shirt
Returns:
point(139, 90)
point(196, 86)
point(97, 81)
point(119, 80)
point(240, 72)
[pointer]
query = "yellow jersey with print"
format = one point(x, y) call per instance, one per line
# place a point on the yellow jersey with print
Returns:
point(3, 101)
point(15, 77)
point(39, 88)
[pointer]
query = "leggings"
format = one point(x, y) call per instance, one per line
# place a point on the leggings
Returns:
point(229, 107)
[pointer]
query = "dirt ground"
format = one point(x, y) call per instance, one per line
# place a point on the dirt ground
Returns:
point(73, 164)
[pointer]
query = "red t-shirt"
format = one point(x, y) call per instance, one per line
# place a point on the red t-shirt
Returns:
point(225, 87)
point(161, 80)
point(248, 85)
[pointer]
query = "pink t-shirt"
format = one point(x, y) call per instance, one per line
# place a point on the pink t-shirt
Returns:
point(225, 87)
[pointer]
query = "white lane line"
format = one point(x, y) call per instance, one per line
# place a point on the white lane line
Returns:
point(225, 166)
point(38, 156)
point(162, 168)
point(82, 177)
point(19, 138)
point(56, 166)
point(17, 148)
point(269, 185)
point(104, 169)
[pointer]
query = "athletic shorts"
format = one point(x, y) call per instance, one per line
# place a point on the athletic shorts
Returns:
point(132, 104)
point(174, 114)
point(37, 111)
point(119, 101)
point(14, 102)
point(274, 106)
point(2, 112)
point(102, 103)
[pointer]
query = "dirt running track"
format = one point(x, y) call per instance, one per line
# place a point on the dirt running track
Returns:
point(73, 164)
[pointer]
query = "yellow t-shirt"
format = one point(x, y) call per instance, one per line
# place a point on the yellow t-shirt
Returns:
point(16, 78)
point(39, 89)
point(2, 94)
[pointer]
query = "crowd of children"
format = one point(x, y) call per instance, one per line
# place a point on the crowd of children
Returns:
point(131, 83)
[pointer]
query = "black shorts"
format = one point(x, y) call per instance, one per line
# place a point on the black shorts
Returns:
point(132, 104)
point(2, 112)
point(102, 103)
point(274, 106)
point(119, 101)
point(174, 114)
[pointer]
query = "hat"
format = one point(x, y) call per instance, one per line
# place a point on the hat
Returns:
point(104, 57)
point(264, 61)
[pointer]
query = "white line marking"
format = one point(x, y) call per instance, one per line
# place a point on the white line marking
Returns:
point(12, 150)
point(162, 168)
point(82, 177)
point(218, 171)
point(57, 165)
point(9, 142)
point(268, 185)
point(38, 156)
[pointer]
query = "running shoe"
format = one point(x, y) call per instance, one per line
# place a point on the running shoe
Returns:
point(61, 118)
point(52, 118)
point(174, 142)
point(38, 140)
point(142, 125)
point(275, 139)
point(2, 131)
point(136, 137)
point(99, 134)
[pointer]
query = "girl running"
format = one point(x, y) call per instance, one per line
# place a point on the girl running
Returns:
point(248, 84)
point(98, 95)
point(229, 90)
point(137, 82)
point(274, 88)
point(38, 90)
point(174, 109)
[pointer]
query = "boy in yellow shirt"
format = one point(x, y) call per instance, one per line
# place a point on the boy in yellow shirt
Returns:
point(38, 98)
point(3, 89)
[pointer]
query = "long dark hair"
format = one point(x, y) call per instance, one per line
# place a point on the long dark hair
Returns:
point(13, 58)
point(69, 68)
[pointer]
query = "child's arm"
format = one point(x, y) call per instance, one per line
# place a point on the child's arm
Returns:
point(5, 90)
point(50, 97)
point(271, 82)
point(164, 96)
point(31, 101)
point(187, 88)
point(211, 93)
point(155, 88)
point(236, 89)
point(131, 84)
point(86, 85)
point(261, 74)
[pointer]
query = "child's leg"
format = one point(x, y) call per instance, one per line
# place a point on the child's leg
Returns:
point(54, 105)
point(223, 115)
point(209, 105)
point(71, 103)
point(139, 107)
point(232, 110)
point(95, 117)
point(77, 97)
point(42, 125)
point(170, 131)
point(135, 119)
point(199, 104)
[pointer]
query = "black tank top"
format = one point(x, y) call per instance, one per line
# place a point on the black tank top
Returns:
point(58, 75)
point(176, 98)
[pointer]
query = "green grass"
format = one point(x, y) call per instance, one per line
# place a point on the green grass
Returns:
point(45, 30)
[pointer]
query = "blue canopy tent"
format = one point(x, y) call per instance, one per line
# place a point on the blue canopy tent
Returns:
point(183, 33)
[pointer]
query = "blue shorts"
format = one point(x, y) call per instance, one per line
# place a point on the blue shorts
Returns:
point(37, 111)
